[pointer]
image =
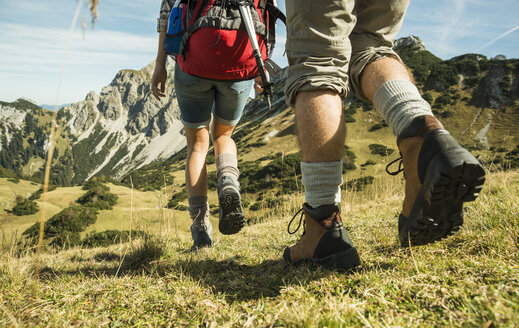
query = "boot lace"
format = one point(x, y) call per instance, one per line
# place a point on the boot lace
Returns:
point(298, 225)
point(400, 166)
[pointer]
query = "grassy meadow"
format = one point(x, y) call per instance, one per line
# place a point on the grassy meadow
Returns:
point(468, 280)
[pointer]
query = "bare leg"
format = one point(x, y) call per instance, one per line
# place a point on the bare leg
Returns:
point(388, 84)
point(196, 169)
point(222, 141)
point(380, 72)
point(320, 125)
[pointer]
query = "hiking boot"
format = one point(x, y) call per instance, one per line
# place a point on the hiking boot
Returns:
point(201, 234)
point(325, 241)
point(201, 230)
point(231, 212)
point(440, 176)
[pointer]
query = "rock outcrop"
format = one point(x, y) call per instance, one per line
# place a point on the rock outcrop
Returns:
point(119, 130)
point(125, 116)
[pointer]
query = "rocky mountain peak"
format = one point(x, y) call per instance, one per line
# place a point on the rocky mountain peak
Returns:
point(499, 57)
point(411, 41)
point(123, 127)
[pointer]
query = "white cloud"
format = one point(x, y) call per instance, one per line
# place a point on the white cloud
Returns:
point(452, 17)
point(36, 58)
point(22, 45)
point(33, 39)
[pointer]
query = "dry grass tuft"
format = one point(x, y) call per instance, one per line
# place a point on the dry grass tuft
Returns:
point(92, 5)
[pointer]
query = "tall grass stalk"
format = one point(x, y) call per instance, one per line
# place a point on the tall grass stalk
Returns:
point(164, 215)
point(131, 209)
point(52, 138)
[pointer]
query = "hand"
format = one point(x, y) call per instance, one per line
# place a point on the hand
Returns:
point(158, 81)
point(258, 84)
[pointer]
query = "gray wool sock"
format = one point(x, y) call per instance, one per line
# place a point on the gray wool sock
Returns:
point(198, 209)
point(322, 182)
point(227, 163)
point(399, 102)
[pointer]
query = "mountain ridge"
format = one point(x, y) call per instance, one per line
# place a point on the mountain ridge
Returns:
point(123, 128)
point(118, 130)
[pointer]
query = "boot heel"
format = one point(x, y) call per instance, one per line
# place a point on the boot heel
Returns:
point(232, 219)
point(341, 261)
point(455, 177)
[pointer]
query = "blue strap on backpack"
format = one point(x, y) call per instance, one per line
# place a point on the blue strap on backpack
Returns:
point(174, 32)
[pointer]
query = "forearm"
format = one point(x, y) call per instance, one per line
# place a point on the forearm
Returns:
point(161, 55)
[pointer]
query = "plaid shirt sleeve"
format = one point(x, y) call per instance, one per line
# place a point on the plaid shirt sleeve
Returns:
point(165, 8)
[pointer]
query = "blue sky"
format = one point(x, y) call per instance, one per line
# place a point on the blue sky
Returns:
point(33, 36)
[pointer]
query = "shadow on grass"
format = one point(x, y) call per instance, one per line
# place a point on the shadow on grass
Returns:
point(230, 278)
point(138, 260)
point(243, 282)
point(235, 281)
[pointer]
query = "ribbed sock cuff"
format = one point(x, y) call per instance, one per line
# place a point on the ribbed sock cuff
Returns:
point(227, 163)
point(399, 102)
point(322, 182)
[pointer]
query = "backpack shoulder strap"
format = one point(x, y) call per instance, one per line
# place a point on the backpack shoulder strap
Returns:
point(273, 11)
point(195, 8)
point(271, 14)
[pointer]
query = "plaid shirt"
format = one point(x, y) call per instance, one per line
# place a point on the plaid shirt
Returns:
point(162, 21)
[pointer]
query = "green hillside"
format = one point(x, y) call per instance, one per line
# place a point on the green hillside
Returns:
point(471, 279)
point(25, 154)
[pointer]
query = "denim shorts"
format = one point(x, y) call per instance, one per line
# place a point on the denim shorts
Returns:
point(198, 98)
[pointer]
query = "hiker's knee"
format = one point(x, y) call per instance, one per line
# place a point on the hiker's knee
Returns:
point(197, 140)
point(320, 127)
point(361, 59)
point(317, 108)
point(221, 131)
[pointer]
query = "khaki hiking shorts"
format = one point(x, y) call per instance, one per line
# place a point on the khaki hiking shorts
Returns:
point(330, 42)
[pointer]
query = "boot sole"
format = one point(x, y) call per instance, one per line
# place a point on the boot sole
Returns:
point(232, 219)
point(343, 260)
point(453, 177)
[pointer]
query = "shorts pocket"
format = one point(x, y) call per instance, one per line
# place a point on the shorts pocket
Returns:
point(238, 88)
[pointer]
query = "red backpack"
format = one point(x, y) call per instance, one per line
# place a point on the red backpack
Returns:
point(215, 43)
